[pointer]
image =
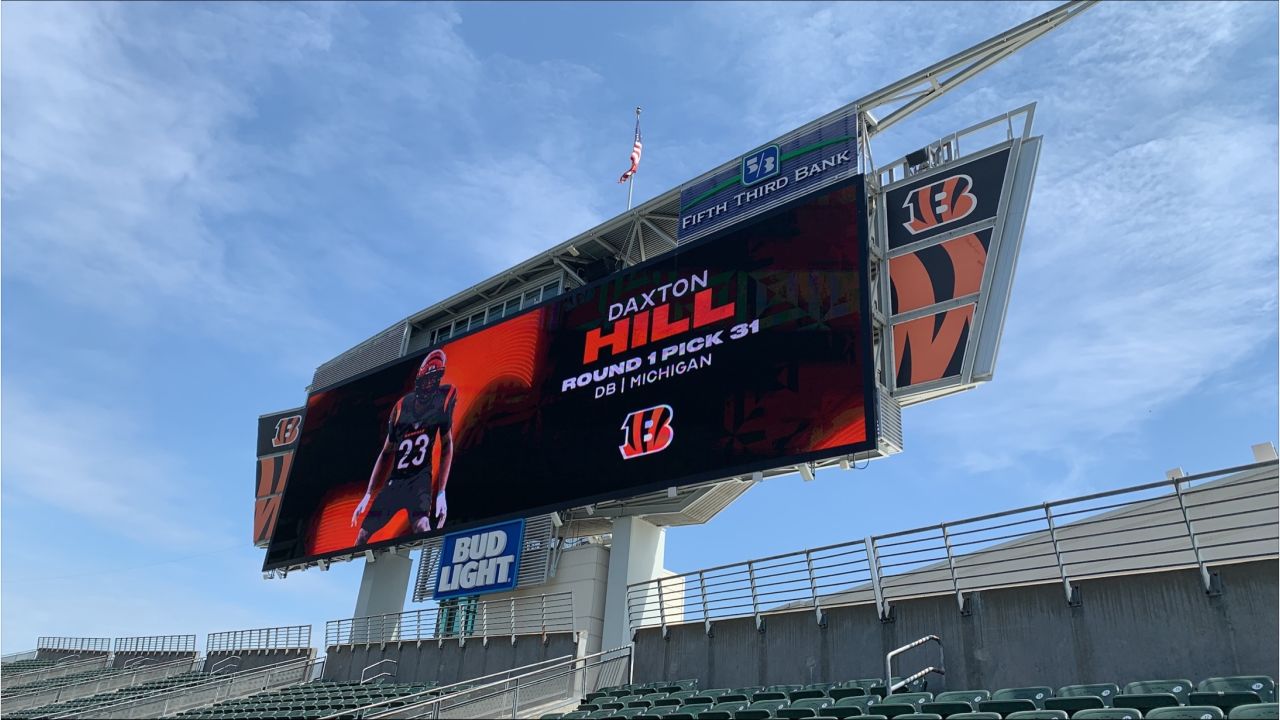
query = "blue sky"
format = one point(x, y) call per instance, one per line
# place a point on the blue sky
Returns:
point(201, 203)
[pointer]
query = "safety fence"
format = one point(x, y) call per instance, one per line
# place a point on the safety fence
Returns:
point(528, 694)
point(218, 688)
point(1186, 522)
point(82, 644)
point(464, 618)
point(108, 682)
point(286, 637)
point(156, 644)
point(18, 656)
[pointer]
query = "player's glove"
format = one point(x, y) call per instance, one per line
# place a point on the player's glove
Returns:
point(442, 509)
point(364, 504)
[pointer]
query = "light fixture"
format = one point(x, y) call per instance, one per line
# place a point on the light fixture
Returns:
point(556, 521)
point(806, 471)
point(671, 493)
point(573, 250)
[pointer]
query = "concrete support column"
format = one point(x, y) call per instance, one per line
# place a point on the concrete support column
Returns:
point(383, 587)
point(636, 555)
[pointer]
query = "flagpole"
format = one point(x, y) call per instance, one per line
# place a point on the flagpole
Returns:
point(631, 181)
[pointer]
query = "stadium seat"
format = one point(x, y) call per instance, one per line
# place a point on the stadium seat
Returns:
point(722, 711)
point(1145, 701)
point(1224, 700)
point(1073, 698)
point(862, 702)
point(1179, 688)
point(1186, 712)
point(807, 694)
point(740, 695)
point(976, 716)
point(946, 709)
point(575, 715)
point(704, 697)
point(658, 711)
point(839, 693)
point(804, 708)
point(628, 713)
point(842, 711)
point(1261, 711)
point(617, 703)
point(751, 714)
point(768, 695)
point(1036, 694)
point(1264, 686)
point(892, 709)
point(973, 697)
point(915, 699)
point(1038, 715)
point(770, 707)
point(601, 713)
point(920, 716)
point(1004, 707)
point(670, 686)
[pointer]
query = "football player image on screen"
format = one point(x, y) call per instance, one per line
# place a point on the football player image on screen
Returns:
point(402, 471)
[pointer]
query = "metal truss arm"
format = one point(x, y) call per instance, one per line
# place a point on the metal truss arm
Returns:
point(925, 86)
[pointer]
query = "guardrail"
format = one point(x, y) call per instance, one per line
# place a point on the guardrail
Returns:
point(947, 149)
point(98, 684)
point(89, 644)
point(219, 689)
point(532, 614)
point(1188, 522)
point(288, 637)
point(65, 666)
point(528, 694)
point(443, 690)
point(156, 644)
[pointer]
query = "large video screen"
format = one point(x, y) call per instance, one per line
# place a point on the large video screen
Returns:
point(745, 350)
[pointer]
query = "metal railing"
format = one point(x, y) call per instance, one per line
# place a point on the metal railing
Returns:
point(529, 694)
point(70, 665)
point(17, 656)
point(365, 677)
point(529, 615)
point(947, 149)
point(287, 637)
point(89, 644)
point(443, 690)
point(156, 644)
point(1196, 521)
point(940, 668)
point(217, 689)
point(107, 682)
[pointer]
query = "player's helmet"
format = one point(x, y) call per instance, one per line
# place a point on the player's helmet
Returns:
point(430, 372)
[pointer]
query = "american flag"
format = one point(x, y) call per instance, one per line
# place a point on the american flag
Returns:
point(635, 154)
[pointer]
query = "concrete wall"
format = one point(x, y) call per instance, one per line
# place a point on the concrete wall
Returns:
point(250, 659)
point(447, 661)
point(50, 654)
point(1131, 627)
point(584, 572)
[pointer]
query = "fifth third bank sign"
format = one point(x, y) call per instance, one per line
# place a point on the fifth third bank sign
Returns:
point(483, 560)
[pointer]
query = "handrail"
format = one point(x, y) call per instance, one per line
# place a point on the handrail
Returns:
point(1205, 519)
point(215, 683)
point(367, 668)
point(442, 690)
point(224, 662)
point(890, 686)
point(492, 689)
point(99, 683)
point(286, 637)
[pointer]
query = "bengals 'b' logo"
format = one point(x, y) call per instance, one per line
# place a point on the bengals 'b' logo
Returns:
point(287, 431)
point(647, 431)
point(939, 203)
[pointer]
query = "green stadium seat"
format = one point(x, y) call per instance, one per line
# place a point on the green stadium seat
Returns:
point(973, 697)
point(658, 711)
point(722, 711)
point(1038, 715)
point(1263, 685)
point(946, 709)
point(1186, 712)
point(750, 714)
point(647, 700)
point(742, 696)
point(629, 713)
point(1145, 701)
point(862, 702)
point(695, 708)
point(845, 711)
point(1225, 700)
point(768, 695)
point(588, 707)
point(804, 708)
point(839, 693)
point(891, 709)
point(920, 716)
point(1179, 688)
point(915, 699)
point(602, 713)
point(770, 706)
point(683, 714)
point(617, 703)
point(1004, 707)
point(976, 716)
point(807, 694)
point(597, 695)
point(676, 698)
point(1261, 711)
point(1102, 691)
point(1035, 694)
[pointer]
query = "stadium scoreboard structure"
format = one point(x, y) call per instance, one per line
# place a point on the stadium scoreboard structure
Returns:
point(771, 316)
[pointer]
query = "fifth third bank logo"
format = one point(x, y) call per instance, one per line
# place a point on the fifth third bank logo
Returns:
point(647, 431)
point(760, 165)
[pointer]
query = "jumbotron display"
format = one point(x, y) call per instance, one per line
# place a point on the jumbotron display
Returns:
point(746, 350)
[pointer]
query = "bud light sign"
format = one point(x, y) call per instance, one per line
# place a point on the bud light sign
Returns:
point(483, 560)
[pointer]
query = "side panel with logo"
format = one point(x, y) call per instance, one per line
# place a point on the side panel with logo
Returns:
point(745, 350)
point(944, 229)
point(278, 435)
